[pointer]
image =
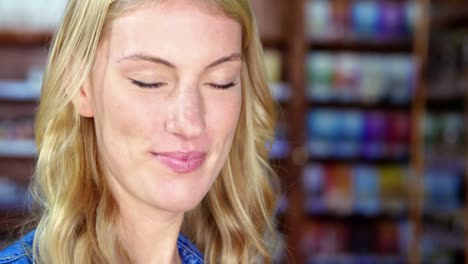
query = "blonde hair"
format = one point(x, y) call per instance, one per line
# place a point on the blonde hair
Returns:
point(76, 209)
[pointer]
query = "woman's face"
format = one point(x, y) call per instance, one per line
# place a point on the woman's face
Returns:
point(165, 94)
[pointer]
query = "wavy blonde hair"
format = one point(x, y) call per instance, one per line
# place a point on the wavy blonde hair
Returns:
point(77, 213)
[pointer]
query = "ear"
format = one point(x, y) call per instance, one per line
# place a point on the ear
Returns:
point(82, 100)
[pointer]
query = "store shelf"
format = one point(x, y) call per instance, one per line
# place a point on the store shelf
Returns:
point(19, 91)
point(441, 158)
point(444, 238)
point(354, 258)
point(280, 150)
point(446, 104)
point(450, 19)
point(273, 42)
point(355, 217)
point(22, 148)
point(447, 220)
point(383, 105)
point(10, 220)
point(25, 38)
point(361, 160)
point(368, 46)
point(280, 91)
point(18, 169)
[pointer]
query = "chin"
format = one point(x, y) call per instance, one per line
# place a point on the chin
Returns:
point(178, 203)
point(181, 207)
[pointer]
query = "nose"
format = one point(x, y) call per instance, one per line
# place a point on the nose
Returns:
point(186, 117)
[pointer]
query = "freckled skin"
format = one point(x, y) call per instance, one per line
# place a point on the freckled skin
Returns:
point(185, 114)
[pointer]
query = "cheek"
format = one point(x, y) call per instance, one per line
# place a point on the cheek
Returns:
point(120, 121)
point(223, 116)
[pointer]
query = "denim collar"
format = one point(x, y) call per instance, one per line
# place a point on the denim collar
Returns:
point(20, 251)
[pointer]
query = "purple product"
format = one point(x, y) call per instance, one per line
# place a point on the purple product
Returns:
point(392, 19)
point(373, 135)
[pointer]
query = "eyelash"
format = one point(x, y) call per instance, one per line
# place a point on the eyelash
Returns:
point(222, 86)
point(158, 85)
point(147, 85)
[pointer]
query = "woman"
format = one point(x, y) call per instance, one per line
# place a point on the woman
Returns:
point(152, 132)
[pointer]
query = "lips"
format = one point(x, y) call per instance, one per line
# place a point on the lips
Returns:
point(181, 162)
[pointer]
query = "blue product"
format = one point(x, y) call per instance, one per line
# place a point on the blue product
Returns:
point(441, 189)
point(366, 190)
point(350, 125)
point(313, 178)
point(321, 127)
point(13, 195)
point(412, 13)
point(279, 149)
point(365, 17)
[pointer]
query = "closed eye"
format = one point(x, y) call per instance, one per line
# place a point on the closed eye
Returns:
point(222, 86)
point(147, 85)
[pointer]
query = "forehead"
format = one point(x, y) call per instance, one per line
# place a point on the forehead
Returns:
point(173, 29)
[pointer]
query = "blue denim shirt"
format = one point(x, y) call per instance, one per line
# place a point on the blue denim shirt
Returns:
point(17, 253)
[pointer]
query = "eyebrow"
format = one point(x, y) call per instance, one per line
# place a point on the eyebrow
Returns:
point(141, 56)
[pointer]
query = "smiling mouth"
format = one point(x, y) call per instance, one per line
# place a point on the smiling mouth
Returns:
point(181, 162)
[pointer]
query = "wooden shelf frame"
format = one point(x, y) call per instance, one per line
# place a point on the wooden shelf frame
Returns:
point(25, 38)
point(367, 46)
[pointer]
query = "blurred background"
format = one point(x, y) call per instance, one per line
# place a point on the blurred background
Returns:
point(371, 148)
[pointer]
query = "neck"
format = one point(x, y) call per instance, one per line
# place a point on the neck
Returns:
point(147, 233)
point(149, 236)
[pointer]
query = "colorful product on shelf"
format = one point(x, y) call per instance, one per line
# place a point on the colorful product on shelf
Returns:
point(358, 134)
point(17, 137)
point(280, 148)
point(20, 128)
point(319, 16)
point(338, 189)
point(374, 135)
point(273, 64)
point(365, 19)
point(337, 242)
point(362, 190)
point(387, 237)
point(273, 70)
point(324, 238)
point(35, 16)
point(366, 190)
point(444, 134)
point(314, 188)
point(443, 189)
point(12, 195)
point(360, 20)
point(393, 189)
point(348, 77)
